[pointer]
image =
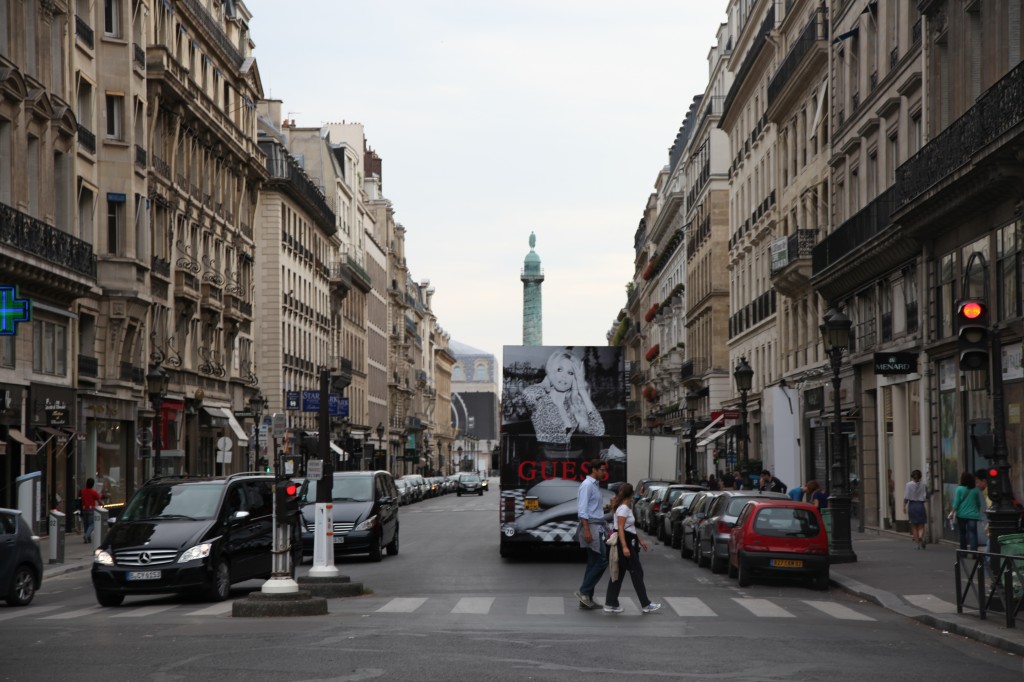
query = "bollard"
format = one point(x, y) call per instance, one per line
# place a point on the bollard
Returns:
point(99, 528)
point(56, 525)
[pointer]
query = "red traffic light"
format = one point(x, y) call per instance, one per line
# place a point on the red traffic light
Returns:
point(291, 489)
point(972, 310)
point(993, 473)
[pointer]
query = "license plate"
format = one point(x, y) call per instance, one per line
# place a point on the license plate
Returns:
point(339, 539)
point(788, 563)
point(143, 575)
point(531, 504)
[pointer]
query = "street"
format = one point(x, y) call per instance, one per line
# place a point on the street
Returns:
point(447, 607)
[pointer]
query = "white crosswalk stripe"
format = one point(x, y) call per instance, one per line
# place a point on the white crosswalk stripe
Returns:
point(690, 607)
point(402, 605)
point(545, 606)
point(68, 615)
point(144, 611)
point(29, 611)
point(215, 610)
point(762, 608)
point(837, 610)
point(478, 605)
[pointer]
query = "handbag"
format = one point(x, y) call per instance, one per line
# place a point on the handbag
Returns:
point(613, 538)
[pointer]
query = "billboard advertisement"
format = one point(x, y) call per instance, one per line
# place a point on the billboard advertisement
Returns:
point(561, 407)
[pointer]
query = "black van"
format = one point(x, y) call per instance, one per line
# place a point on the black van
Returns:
point(364, 514)
point(196, 535)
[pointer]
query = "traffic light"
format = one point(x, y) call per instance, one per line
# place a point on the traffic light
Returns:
point(994, 489)
point(973, 334)
point(264, 464)
point(286, 500)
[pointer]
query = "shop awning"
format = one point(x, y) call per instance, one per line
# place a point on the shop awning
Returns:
point(225, 413)
point(711, 425)
point(713, 436)
point(28, 446)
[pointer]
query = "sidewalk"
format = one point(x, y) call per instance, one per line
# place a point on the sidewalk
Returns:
point(888, 572)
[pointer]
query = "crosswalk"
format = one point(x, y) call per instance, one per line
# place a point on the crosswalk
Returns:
point(683, 607)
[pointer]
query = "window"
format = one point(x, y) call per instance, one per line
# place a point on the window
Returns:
point(885, 304)
point(112, 18)
point(49, 348)
point(480, 372)
point(945, 295)
point(1008, 270)
point(457, 373)
point(916, 133)
point(7, 351)
point(86, 200)
point(115, 116)
point(5, 161)
point(910, 298)
point(115, 222)
point(892, 159)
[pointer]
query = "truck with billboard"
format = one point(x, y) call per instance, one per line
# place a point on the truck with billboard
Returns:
point(562, 407)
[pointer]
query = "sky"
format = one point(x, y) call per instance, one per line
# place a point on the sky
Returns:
point(495, 119)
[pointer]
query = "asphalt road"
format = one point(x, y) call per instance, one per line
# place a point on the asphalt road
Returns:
point(448, 608)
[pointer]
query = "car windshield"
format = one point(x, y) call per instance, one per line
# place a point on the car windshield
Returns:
point(786, 522)
point(346, 489)
point(736, 505)
point(470, 479)
point(181, 501)
point(674, 494)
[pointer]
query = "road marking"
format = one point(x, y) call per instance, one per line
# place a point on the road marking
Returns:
point(144, 611)
point(215, 610)
point(837, 610)
point(26, 611)
point(402, 605)
point(762, 608)
point(690, 607)
point(474, 605)
point(545, 606)
point(73, 614)
point(931, 603)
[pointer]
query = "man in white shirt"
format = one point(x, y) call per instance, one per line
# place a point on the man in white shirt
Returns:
point(592, 531)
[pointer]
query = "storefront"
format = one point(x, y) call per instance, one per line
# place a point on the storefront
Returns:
point(51, 424)
point(14, 444)
point(109, 450)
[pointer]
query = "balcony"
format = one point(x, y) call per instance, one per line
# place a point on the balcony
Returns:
point(86, 139)
point(186, 285)
point(214, 30)
point(287, 176)
point(88, 366)
point(141, 159)
point(139, 57)
point(791, 266)
point(693, 368)
point(161, 167)
point(753, 314)
point(211, 297)
point(756, 46)
point(161, 267)
point(84, 32)
point(805, 57)
point(962, 147)
point(359, 275)
point(340, 277)
point(66, 264)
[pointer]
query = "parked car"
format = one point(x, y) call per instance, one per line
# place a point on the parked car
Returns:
point(661, 514)
point(179, 535)
point(364, 514)
point(404, 491)
point(21, 564)
point(690, 525)
point(713, 536)
point(418, 486)
point(782, 537)
point(469, 484)
point(680, 509)
point(642, 505)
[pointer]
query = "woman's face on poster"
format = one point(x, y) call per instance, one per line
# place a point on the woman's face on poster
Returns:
point(562, 374)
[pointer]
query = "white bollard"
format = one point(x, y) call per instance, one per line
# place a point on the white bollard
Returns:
point(323, 542)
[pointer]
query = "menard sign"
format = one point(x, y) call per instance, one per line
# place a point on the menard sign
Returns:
point(895, 363)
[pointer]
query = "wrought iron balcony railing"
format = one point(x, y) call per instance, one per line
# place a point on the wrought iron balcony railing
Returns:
point(86, 139)
point(55, 246)
point(84, 32)
point(816, 31)
point(859, 230)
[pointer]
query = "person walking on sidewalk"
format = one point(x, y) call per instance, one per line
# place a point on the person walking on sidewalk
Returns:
point(914, 497)
point(90, 499)
point(592, 532)
point(967, 511)
point(627, 546)
point(981, 483)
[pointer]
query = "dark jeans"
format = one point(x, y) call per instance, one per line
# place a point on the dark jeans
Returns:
point(88, 517)
point(636, 574)
point(596, 563)
point(968, 530)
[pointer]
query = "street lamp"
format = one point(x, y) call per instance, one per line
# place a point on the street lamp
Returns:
point(462, 464)
point(257, 405)
point(426, 452)
point(651, 421)
point(692, 403)
point(451, 464)
point(744, 376)
point(835, 334)
point(157, 381)
point(380, 441)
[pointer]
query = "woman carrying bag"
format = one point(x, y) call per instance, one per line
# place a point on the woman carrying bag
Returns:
point(627, 546)
point(967, 511)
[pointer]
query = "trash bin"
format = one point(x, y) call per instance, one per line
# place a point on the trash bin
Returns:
point(56, 525)
point(99, 528)
point(1013, 545)
point(826, 518)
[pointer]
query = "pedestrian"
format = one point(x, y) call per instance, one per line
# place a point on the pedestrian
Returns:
point(592, 532)
point(981, 483)
point(816, 494)
point(627, 546)
point(713, 483)
point(90, 500)
point(769, 482)
point(914, 497)
point(737, 479)
point(796, 493)
point(966, 511)
point(728, 481)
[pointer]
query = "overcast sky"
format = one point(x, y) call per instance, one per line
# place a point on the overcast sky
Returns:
point(495, 119)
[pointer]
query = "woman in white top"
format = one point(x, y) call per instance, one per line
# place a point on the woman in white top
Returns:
point(914, 497)
point(627, 544)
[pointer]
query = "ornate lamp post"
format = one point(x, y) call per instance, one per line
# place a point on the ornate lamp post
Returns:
point(835, 334)
point(462, 464)
point(380, 441)
point(744, 376)
point(257, 405)
point(157, 380)
point(692, 402)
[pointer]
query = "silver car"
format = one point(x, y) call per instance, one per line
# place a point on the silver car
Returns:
point(713, 534)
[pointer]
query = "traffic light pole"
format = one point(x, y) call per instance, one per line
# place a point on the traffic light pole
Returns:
point(1002, 517)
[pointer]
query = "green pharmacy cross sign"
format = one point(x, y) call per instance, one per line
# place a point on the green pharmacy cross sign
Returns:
point(12, 310)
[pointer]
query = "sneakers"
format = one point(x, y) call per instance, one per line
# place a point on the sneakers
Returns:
point(586, 601)
point(652, 607)
point(612, 609)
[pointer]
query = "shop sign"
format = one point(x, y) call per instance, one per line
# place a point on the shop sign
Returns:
point(1011, 358)
point(888, 364)
point(13, 310)
point(291, 400)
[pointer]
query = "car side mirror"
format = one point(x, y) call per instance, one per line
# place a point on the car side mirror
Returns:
point(239, 515)
point(387, 499)
point(111, 520)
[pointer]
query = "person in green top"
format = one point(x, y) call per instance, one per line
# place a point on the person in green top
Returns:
point(967, 510)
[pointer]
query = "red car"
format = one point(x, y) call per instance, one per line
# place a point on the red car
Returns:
point(782, 537)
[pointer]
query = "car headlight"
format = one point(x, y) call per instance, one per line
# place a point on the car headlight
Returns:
point(103, 558)
point(198, 552)
point(367, 524)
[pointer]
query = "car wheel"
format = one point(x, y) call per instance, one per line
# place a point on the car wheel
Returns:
point(377, 548)
point(480, 494)
point(731, 569)
point(109, 598)
point(742, 572)
point(683, 551)
point(23, 587)
point(820, 580)
point(717, 562)
point(702, 559)
point(676, 540)
point(220, 588)
point(458, 494)
point(393, 545)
